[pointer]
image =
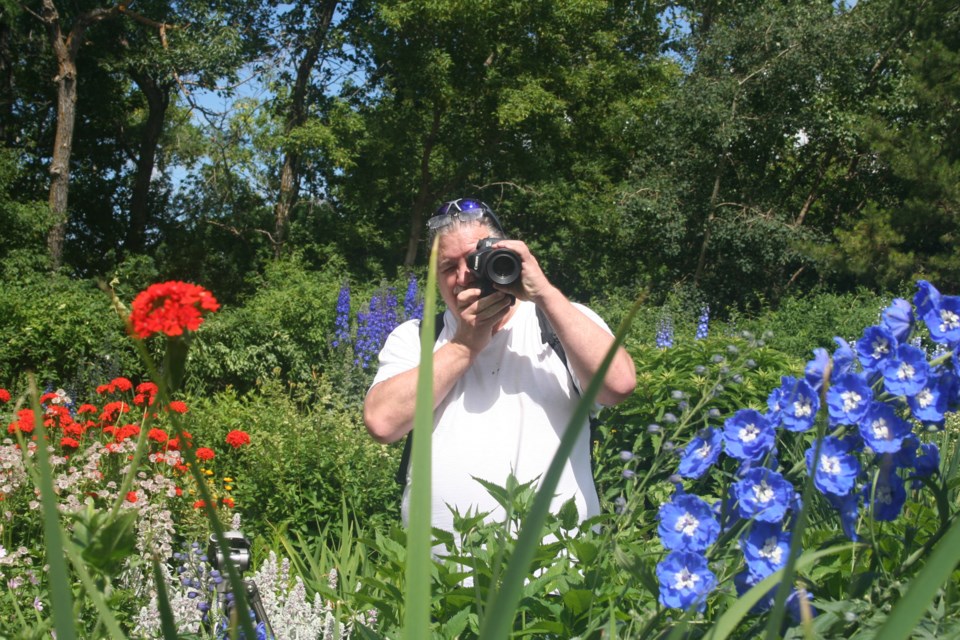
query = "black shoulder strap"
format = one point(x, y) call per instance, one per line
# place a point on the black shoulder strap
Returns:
point(547, 335)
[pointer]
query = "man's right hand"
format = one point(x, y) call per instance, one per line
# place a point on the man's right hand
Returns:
point(479, 318)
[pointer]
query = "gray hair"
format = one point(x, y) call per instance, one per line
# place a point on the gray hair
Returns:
point(457, 225)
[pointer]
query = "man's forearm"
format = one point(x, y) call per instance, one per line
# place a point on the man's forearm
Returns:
point(585, 344)
point(389, 407)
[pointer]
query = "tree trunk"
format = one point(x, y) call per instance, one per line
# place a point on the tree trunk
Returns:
point(7, 128)
point(66, 49)
point(158, 99)
point(424, 193)
point(297, 115)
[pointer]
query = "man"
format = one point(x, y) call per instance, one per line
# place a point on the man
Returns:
point(502, 397)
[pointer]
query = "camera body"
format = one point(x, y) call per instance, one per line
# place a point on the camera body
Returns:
point(493, 266)
point(239, 551)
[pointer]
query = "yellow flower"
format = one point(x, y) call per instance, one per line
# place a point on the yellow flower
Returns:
point(228, 479)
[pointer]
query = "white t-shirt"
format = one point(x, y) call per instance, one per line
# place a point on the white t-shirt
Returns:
point(506, 414)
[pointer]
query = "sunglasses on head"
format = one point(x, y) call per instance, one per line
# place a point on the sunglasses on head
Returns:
point(464, 210)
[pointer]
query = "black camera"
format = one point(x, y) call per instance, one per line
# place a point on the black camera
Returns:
point(238, 550)
point(493, 266)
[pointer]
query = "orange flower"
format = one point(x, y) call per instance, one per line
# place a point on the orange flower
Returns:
point(199, 504)
point(170, 308)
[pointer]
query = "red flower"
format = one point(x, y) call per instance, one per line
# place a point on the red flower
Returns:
point(170, 308)
point(24, 423)
point(4, 395)
point(131, 496)
point(199, 504)
point(69, 443)
point(228, 502)
point(179, 492)
point(127, 431)
point(112, 409)
point(203, 453)
point(86, 408)
point(178, 406)
point(147, 387)
point(237, 439)
point(146, 394)
point(47, 396)
point(157, 435)
point(121, 384)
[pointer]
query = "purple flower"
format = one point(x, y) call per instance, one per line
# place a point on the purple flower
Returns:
point(685, 580)
point(766, 548)
point(665, 334)
point(687, 523)
point(815, 370)
point(943, 320)
point(888, 495)
point(875, 347)
point(882, 429)
point(799, 404)
point(764, 495)
point(703, 323)
point(906, 373)
point(412, 304)
point(747, 435)
point(700, 454)
point(898, 319)
point(837, 468)
point(848, 399)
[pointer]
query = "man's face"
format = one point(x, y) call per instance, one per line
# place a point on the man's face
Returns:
point(453, 276)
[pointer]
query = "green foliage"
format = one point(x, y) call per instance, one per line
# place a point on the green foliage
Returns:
point(306, 460)
point(65, 331)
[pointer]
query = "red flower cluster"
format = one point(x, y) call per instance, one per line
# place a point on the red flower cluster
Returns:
point(170, 308)
point(237, 439)
point(117, 384)
point(204, 453)
point(4, 395)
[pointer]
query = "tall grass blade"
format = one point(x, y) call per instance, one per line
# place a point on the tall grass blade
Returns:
point(498, 619)
point(61, 598)
point(922, 590)
point(167, 625)
point(416, 624)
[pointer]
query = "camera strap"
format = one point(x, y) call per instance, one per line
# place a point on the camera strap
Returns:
point(547, 335)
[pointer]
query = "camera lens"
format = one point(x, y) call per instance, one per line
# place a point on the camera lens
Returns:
point(503, 266)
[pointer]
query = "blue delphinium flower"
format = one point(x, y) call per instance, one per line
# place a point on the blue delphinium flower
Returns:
point(898, 319)
point(703, 323)
point(766, 548)
point(685, 580)
point(374, 326)
point(905, 374)
point(342, 323)
point(747, 435)
point(687, 523)
point(665, 334)
point(943, 320)
point(775, 406)
point(799, 404)
point(837, 469)
point(701, 453)
point(843, 357)
point(926, 298)
point(888, 496)
point(848, 399)
point(815, 370)
point(931, 403)
point(763, 494)
point(412, 303)
point(882, 429)
point(848, 507)
point(927, 462)
point(875, 347)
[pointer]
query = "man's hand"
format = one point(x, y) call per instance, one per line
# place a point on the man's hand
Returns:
point(533, 284)
point(479, 317)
